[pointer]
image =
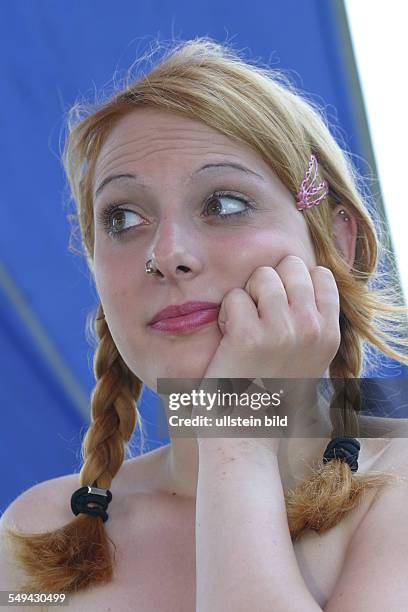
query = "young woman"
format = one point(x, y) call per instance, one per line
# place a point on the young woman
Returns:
point(212, 180)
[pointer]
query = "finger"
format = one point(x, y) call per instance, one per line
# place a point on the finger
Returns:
point(326, 294)
point(267, 292)
point(238, 313)
point(297, 282)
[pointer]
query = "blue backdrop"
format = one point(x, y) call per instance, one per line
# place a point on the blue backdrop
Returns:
point(50, 52)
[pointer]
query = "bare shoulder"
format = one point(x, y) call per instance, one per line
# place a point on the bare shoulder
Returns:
point(43, 506)
point(46, 505)
point(37, 509)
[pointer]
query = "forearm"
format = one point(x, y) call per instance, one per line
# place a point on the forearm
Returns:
point(244, 553)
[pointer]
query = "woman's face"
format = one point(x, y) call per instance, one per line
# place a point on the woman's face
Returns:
point(171, 211)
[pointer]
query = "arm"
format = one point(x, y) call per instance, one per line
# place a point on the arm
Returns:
point(283, 324)
point(244, 553)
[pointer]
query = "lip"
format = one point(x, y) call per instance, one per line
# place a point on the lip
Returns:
point(188, 322)
point(181, 310)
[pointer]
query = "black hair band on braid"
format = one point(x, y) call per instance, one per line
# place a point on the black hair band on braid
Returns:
point(86, 495)
point(344, 448)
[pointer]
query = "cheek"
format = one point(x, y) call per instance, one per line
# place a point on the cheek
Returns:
point(255, 249)
point(122, 310)
point(113, 280)
point(267, 248)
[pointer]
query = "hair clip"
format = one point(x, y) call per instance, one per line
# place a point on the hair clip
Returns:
point(310, 188)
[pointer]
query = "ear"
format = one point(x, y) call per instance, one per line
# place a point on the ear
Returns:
point(345, 232)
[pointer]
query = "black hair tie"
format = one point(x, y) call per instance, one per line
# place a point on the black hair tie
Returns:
point(345, 448)
point(85, 495)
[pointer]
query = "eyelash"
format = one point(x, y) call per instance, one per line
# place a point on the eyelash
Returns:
point(105, 216)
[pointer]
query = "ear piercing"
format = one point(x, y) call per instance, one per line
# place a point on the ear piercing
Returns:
point(344, 214)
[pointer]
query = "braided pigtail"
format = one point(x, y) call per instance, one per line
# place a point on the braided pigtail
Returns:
point(321, 501)
point(77, 555)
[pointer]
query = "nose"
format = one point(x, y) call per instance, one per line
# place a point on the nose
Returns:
point(174, 251)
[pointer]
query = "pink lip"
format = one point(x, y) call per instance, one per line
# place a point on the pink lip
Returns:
point(187, 322)
point(180, 310)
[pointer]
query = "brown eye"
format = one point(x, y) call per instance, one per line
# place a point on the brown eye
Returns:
point(118, 219)
point(113, 219)
point(214, 206)
point(229, 202)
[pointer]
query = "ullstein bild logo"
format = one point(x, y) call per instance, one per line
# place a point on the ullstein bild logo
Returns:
point(228, 421)
point(245, 407)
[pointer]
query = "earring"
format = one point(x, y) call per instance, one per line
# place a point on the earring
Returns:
point(344, 214)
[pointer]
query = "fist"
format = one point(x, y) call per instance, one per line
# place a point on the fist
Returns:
point(283, 324)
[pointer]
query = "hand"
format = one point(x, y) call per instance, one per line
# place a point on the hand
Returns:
point(284, 324)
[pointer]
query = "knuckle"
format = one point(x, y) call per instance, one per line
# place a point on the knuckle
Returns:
point(310, 328)
point(260, 275)
point(263, 271)
point(334, 338)
point(293, 258)
point(234, 294)
point(324, 270)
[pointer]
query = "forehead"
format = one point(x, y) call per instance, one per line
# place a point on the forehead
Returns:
point(151, 123)
point(148, 135)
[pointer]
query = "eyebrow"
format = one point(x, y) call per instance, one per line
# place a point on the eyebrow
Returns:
point(134, 177)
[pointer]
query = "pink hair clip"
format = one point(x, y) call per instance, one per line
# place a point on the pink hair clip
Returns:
point(310, 188)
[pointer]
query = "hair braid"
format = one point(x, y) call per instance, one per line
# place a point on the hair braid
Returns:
point(113, 413)
point(321, 501)
point(344, 370)
point(79, 552)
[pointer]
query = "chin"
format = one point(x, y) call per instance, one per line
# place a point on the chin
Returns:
point(188, 375)
point(186, 359)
